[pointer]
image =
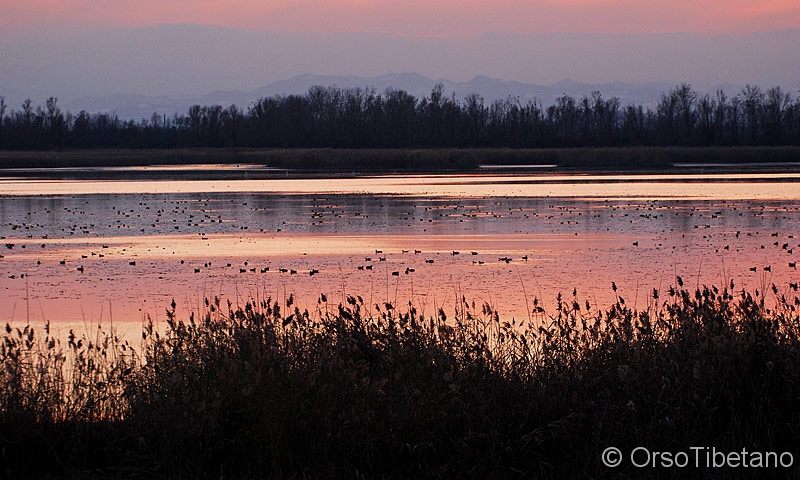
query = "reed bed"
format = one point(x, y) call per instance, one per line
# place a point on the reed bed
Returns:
point(365, 391)
point(320, 161)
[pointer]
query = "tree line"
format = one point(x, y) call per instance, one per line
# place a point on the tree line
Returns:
point(364, 118)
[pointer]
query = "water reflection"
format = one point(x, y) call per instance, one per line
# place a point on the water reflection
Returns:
point(689, 186)
point(85, 255)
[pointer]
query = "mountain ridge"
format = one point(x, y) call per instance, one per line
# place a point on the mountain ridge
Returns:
point(137, 106)
point(209, 64)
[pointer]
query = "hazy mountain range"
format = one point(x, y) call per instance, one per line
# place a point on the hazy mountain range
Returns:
point(166, 68)
point(134, 106)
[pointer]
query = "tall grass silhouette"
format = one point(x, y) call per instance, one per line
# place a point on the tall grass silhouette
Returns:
point(369, 390)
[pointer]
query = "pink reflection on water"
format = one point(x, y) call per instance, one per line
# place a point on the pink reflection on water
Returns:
point(239, 269)
point(687, 186)
point(137, 252)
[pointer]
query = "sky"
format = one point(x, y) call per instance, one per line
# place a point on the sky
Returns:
point(76, 48)
point(415, 18)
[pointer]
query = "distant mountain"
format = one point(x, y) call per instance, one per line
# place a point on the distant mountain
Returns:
point(175, 65)
point(128, 107)
point(489, 88)
point(413, 83)
point(137, 107)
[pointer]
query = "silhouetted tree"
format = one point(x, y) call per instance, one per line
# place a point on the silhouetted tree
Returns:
point(666, 111)
point(400, 112)
point(231, 119)
point(563, 117)
point(477, 117)
point(753, 103)
point(2, 118)
point(633, 125)
point(775, 106)
point(706, 121)
point(353, 118)
point(27, 118)
point(54, 123)
point(685, 99)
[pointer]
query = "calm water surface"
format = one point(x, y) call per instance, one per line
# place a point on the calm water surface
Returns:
point(432, 240)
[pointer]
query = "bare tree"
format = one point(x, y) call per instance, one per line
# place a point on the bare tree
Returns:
point(686, 99)
point(231, 117)
point(753, 103)
point(27, 118)
point(477, 116)
point(2, 116)
point(776, 104)
point(54, 123)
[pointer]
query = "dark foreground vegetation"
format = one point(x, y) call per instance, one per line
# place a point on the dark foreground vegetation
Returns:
point(329, 117)
point(258, 392)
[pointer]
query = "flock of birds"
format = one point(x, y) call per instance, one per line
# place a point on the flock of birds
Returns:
point(246, 268)
point(367, 265)
point(207, 216)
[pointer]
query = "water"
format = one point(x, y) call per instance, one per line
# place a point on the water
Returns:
point(430, 240)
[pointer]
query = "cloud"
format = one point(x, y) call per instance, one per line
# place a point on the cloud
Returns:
point(409, 17)
point(189, 59)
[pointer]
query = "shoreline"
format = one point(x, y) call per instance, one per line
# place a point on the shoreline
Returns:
point(334, 163)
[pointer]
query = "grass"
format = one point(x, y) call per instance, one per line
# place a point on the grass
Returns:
point(370, 391)
point(414, 160)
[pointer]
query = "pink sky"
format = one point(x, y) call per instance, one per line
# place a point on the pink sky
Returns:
point(410, 17)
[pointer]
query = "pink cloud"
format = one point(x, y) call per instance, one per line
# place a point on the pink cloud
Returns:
point(413, 17)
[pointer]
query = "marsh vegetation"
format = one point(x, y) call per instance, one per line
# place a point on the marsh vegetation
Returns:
point(263, 391)
point(309, 162)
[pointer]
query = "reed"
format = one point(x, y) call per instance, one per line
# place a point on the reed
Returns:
point(362, 390)
point(309, 161)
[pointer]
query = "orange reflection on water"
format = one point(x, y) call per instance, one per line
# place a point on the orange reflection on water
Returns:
point(716, 186)
point(431, 271)
point(78, 253)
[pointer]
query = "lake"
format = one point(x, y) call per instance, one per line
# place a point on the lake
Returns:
point(83, 252)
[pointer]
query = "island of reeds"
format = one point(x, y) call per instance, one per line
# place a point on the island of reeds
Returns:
point(379, 391)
